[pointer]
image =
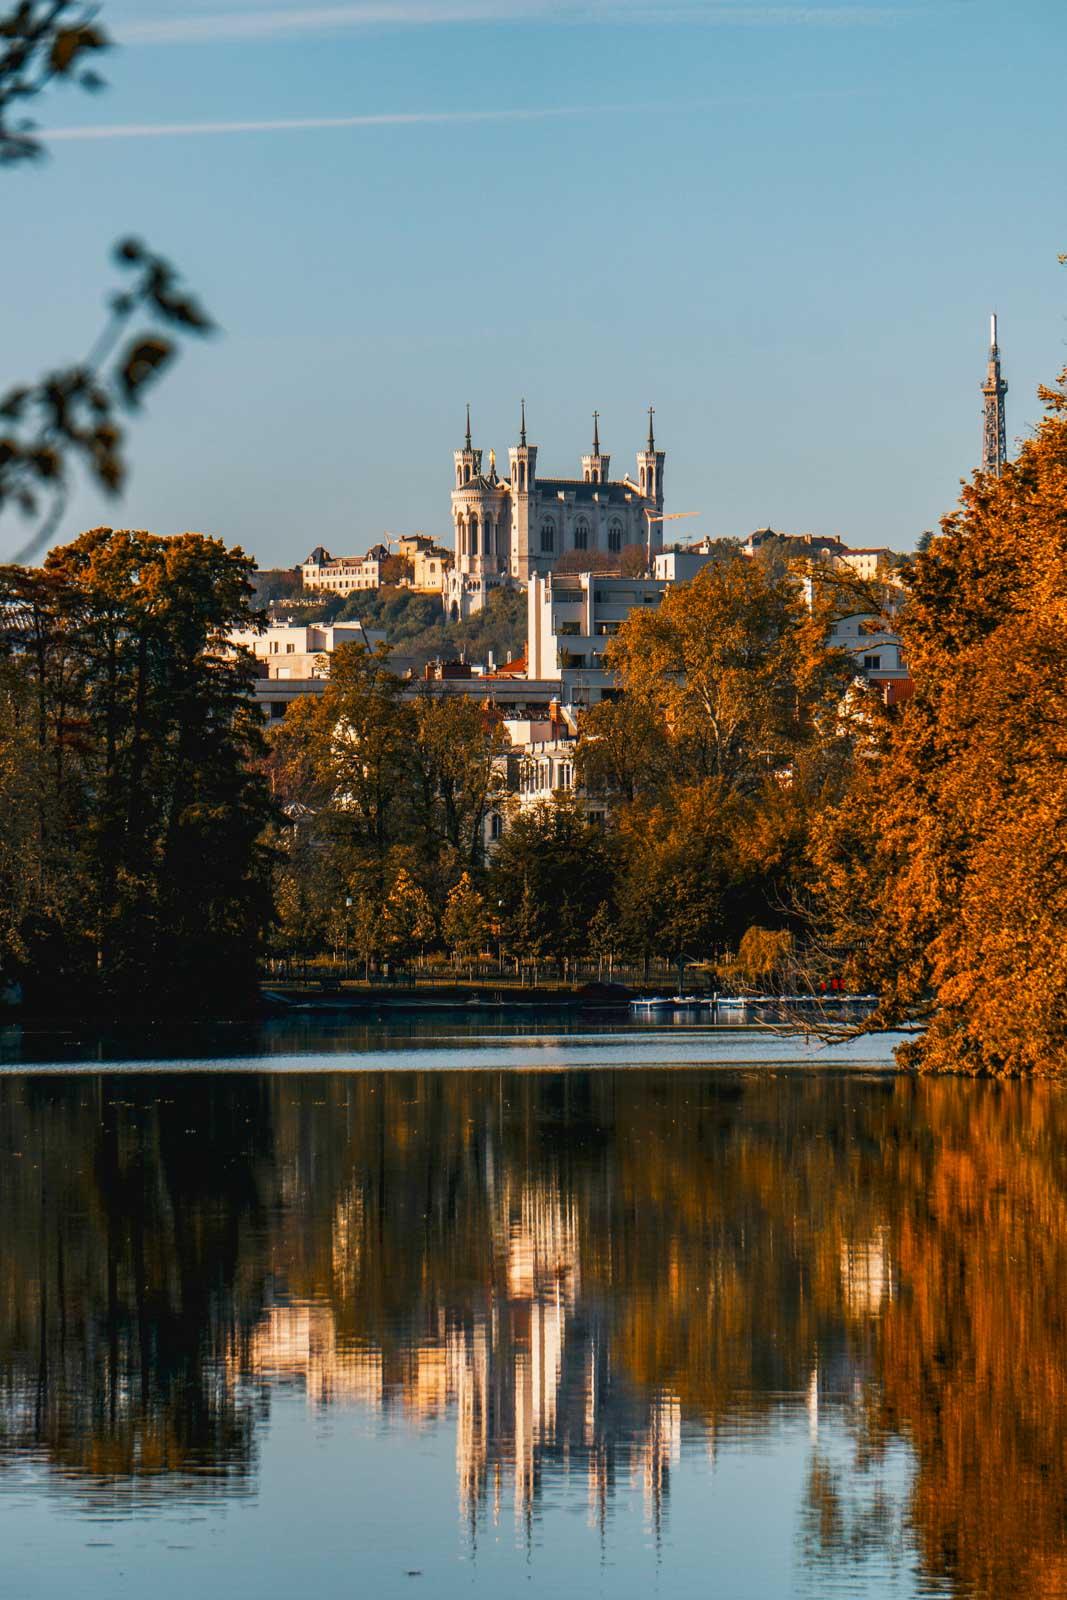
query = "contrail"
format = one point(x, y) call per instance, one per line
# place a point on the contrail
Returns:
point(384, 119)
point(414, 119)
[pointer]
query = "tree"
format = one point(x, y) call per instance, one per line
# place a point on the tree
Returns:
point(387, 780)
point(725, 747)
point(944, 871)
point(457, 750)
point(73, 414)
point(763, 952)
point(408, 922)
point(550, 872)
point(142, 831)
point(465, 923)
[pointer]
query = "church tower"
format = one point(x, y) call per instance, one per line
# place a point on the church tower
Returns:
point(522, 466)
point(595, 467)
point(650, 467)
point(994, 431)
point(468, 461)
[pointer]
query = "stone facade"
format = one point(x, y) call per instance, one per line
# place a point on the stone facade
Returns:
point(512, 528)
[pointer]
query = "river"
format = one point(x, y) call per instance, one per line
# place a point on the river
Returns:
point(474, 1308)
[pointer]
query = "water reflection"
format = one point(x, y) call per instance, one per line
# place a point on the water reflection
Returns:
point(586, 1275)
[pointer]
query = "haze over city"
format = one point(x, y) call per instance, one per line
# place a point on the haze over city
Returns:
point(784, 226)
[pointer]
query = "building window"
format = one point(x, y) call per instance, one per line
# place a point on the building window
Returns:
point(548, 536)
point(871, 663)
point(494, 825)
point(290, 649)
point(615, 539)
point(581, 537)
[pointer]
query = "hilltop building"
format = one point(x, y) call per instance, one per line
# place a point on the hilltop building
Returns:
point(509, 529)
point(346, 574)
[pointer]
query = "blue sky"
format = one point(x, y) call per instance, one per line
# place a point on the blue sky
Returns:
point(784, 225)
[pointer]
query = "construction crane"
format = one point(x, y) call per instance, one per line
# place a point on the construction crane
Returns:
point(662, 516)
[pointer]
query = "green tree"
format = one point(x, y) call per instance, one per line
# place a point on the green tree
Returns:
point(145, 827)
point(549, 874)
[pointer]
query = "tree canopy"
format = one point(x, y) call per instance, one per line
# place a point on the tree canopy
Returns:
point(132, 873)
point(945, 868)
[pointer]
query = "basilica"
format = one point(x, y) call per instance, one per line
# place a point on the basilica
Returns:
point(507, 529)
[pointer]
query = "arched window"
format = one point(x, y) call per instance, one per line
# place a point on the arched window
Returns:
point(494, 825)
point(615, 538)
point(581, 536)
point(642, 480)
point(474, 536)
point(548, 536)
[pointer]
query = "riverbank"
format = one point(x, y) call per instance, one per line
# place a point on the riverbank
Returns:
point(280, 999)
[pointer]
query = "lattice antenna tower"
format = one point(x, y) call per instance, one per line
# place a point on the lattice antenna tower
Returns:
point(994, 430)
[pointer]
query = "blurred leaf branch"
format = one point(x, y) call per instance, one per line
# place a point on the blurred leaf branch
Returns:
point(71, 416)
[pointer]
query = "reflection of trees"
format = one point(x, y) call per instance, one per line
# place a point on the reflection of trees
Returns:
point(973, 1354)
point(581, 1268)
point(126, 1276)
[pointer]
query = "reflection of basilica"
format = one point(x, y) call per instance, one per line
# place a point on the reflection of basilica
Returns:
point(528, 1376)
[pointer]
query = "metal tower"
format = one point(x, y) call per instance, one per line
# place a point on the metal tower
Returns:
point(994, 433)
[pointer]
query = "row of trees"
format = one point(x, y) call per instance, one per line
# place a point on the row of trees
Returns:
point(734, 734)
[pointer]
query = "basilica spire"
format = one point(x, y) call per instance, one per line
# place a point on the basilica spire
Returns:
point(596, 433)
point(522, 425)
point(468, 444)
point(651, 435)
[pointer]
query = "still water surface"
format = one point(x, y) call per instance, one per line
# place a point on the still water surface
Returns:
point(620, 1312)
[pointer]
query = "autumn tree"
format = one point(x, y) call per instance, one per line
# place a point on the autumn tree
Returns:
point(726, 744)
point(945, 870)
point(465, 923)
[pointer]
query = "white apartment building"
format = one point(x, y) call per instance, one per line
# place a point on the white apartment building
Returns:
point(569, 620)
point(301, 650)
point(680, 566)
point(877, 653)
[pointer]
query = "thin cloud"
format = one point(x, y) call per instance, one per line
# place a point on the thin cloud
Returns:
point(295, 22)
point(384, 119)
point(410, 119)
